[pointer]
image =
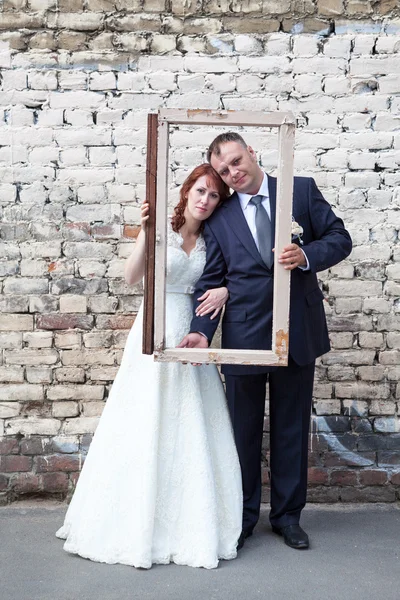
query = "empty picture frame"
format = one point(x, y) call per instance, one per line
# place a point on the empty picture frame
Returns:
point(157, 196)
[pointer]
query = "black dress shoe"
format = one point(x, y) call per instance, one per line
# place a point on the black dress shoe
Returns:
point(294, 536)
point(242, 537)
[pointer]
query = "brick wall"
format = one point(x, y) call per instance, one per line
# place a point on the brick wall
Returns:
point(75, 90)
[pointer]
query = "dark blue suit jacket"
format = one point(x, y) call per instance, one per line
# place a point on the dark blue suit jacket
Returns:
point(233, 260)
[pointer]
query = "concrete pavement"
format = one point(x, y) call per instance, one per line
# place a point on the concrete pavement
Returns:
point(355, 555)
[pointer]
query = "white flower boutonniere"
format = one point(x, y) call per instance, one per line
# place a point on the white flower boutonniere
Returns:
point(297, 231)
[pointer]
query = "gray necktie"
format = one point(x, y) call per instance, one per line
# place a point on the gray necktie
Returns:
point(264, 233)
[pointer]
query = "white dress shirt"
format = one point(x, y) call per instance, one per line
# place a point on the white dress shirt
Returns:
point(249, 211)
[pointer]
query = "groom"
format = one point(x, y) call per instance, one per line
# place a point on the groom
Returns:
point(240, 241)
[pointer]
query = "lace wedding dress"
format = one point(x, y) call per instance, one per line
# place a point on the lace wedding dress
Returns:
point(161, 482)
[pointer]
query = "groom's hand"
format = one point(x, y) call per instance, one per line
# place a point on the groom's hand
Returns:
point(194, 340)
point(292, 257)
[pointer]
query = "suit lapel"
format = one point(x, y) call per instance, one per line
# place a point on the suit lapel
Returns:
point(232, 212)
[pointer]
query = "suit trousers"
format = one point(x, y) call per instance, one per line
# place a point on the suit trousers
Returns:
point(290, 397)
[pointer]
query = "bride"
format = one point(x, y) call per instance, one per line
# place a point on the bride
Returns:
point(161, 482)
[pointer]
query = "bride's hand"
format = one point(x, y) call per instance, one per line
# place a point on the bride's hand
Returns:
point(144, 209)
point(212, 300)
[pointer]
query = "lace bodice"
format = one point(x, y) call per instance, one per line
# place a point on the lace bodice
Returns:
point(181, 268)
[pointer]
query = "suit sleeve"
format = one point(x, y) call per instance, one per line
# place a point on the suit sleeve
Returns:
point(213, 276)
point(332, 242)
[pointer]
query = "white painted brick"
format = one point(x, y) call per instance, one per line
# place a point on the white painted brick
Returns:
point(262, 103)
point(32, 426)
point(102, 81)
point(110, 116)
point(315, 140)
point(194, 100)
point(75, 392)
point(354, 288)
point(320, 65)
point(366, 140)
point(73, 304)
point(362, 160)
point(39, 375)
point(305, 45)
point(76, 99)
point(337, 158)
point(45, 80)
point(389, 84)
point(73, 80)
point(136, 101)
point(220, 83)
point(85, 176)
point(387, 44)
point(162, 81)
point(20, 117)
point(357, 121)
point(249, 83)
point(65, 409)
point(131, 81)
point(246, 44)
point(191, 83)
point(74, 156)
point(378, 65)
point(78, 117)
point(337, 47)
point(308, 84)
point(361, 103)
point(91, 268)
point(9, 410)
point(32, 250)
point(385, 122)
point(160, 63)
point(21, 391)
point(365, 179)
point(38, 339)
point(80, 425)
point(267, 64)
point(364, 44)
point(339, 85)
point(44, 156)
point(103, 156)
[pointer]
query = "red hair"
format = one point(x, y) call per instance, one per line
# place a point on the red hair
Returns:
point(178, 218)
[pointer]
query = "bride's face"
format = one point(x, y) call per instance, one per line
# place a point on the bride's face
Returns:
point(203, 198)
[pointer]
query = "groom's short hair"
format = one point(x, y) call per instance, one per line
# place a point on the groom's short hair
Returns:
point(223, 138)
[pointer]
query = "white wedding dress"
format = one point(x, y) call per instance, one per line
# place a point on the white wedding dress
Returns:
point(161, 482)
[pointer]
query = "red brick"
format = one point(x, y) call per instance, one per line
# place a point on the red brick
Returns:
point(9, 446)
point(58, 462)
point(55, 482)
point(33, 446)
point(317, 476)
point(131, 231)
point(116, 322)
point(344, 478)
point(3, 483)
point(67, 321)
point(106, 232)
point(373, 477)
point(265, 476)
point(331, 459)
point(25, 483)
point(368, 494)
point(395, 478)
point(14, 463)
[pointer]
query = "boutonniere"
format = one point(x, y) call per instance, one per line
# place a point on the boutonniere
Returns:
point(297, 231)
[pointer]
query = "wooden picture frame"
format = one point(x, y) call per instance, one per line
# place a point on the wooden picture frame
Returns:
point(156, 266)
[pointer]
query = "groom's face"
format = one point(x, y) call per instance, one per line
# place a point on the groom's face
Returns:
point(237, 166)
